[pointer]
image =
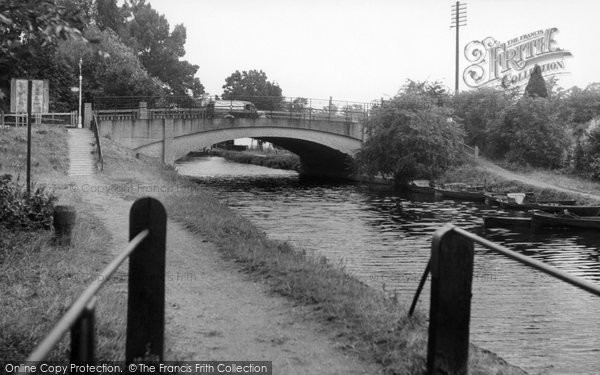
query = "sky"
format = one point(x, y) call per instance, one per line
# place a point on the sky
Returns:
point(357, 50)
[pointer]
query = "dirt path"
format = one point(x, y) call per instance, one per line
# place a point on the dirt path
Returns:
point(214, 312)
point(494, 168)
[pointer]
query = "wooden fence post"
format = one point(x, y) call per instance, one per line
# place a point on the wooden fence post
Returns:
point(146, 300)
point(83, 336)
point(450, 311)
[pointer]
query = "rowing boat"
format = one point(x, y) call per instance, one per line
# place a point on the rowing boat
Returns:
point(544, 219)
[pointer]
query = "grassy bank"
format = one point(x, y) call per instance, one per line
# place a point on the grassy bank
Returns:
point(278, 161)
point(368, 322)
point(39, 280)
point(474, 172)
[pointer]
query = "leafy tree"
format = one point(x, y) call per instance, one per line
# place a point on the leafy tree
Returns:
point(253, 86)
point(476, 109)
point(411, 137)
point(118, 72)
point(148, 33)
point(109, 15)
point(28, 28)
point(529, 132)
point(298, 105)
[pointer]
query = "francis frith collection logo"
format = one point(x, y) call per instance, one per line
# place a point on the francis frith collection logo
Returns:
point(512, 62)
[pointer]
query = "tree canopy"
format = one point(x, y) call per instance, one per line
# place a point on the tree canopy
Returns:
point(253, 86)
point(411, 136)
point(134, 50)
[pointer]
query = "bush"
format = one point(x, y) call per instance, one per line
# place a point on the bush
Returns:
point(409, 137)
point(529, 133)
point(20, 211)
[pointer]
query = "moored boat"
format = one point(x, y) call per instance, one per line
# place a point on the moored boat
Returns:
point(461, 191)
point(494, 221)
point(544, 219)
point(576, 210)
point(421, 186)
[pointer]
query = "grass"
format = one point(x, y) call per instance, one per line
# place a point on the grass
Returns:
point(369, 322)
point(39, 280)
point(473, 173)
point(48, 150)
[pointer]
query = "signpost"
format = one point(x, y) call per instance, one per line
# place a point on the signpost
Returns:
point(29, 96)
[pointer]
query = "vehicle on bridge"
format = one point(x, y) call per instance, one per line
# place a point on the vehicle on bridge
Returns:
point(231, 109)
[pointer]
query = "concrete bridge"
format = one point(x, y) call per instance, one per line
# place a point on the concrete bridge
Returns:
point(324, 143)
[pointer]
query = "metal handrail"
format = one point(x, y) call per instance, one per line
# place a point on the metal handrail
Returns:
point(523, 259)
point(98, 145)
point(528, 261)
point(77, 308)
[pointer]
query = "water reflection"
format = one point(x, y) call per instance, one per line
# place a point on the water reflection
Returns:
point(530, 319)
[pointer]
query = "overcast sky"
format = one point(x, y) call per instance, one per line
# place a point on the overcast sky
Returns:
point(363, 50)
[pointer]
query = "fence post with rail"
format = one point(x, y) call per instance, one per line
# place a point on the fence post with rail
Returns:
point(146, 294)
point(451, 267)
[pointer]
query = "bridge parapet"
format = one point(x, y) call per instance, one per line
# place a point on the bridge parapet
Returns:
point(270, 107)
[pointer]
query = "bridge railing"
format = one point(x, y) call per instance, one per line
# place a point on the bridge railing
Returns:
point(146, 294)
point(130, 107)
point(451, 268)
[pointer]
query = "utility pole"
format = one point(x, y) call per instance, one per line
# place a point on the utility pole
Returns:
point(459, 18)
point(79, 125)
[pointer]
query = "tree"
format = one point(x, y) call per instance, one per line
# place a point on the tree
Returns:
point(253, 86)
point(411, 137)
point(109, 15)
point(529, 132)
point(117, 73)
point(148, 33)
point(476, 109)
point(536, 87)
point(27, 29)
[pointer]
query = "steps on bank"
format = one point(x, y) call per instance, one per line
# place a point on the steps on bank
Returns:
point(81, 148)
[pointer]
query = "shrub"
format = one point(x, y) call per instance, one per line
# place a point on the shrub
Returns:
point(529, 132)
point(18, 210)
point(409, 137)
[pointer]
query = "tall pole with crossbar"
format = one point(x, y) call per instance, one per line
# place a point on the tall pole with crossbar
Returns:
point(459, 18)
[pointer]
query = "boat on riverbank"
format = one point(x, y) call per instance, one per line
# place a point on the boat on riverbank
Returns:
point(544, 219)
point(421, 187)
point(461, 191)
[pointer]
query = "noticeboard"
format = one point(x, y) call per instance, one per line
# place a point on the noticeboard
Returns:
point(40, 95)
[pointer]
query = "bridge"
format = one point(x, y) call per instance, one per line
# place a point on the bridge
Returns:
point(325, 139)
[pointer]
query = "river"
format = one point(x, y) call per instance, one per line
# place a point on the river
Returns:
point(383, 238)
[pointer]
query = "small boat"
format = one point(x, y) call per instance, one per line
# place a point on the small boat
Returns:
point(496, 199)
point(461, 191)
point(493, 221)
point(544, 219)
point(421, 187)
point(559, 208)
point(535, 205)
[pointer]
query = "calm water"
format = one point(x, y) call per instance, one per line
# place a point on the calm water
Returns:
point(383, 238)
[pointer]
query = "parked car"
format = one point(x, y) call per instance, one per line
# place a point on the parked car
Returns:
point(232, 109)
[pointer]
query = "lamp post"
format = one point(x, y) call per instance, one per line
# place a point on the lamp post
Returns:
point(79, 125)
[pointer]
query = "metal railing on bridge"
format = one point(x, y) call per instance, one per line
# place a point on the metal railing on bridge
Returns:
point(133, 107)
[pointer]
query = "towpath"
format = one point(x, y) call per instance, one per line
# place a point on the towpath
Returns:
point(214, 312)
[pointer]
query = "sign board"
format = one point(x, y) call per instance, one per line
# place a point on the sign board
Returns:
point(40, 96)
point(512, 62)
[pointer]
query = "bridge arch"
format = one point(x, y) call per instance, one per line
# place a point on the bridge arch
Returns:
point(325, 147)
point(321, 153)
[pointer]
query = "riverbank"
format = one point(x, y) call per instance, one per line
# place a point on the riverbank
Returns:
point(343, 318)
point(366, 322)
point(279, 160)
